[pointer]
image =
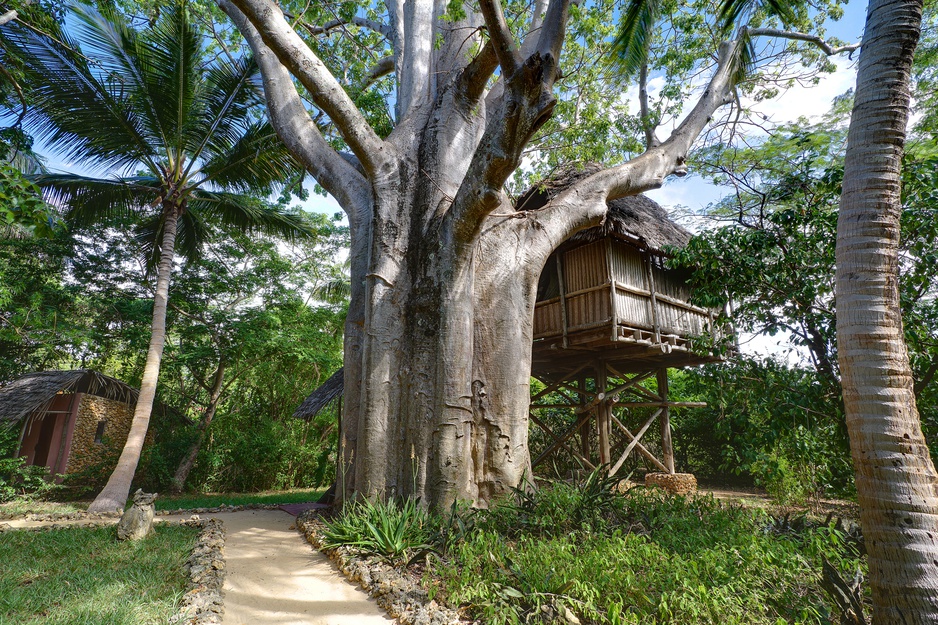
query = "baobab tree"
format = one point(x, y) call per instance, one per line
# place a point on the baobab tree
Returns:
point(444, 269)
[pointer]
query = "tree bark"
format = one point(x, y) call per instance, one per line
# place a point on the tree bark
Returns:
point(896, 480)
point(117, 489)
point(188, 461)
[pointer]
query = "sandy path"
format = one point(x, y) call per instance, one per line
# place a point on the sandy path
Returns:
point(276, 577)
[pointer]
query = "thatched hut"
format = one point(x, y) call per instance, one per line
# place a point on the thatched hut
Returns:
point(607, 288)
point(322, 396)
point(68, 420)
point(609, 315)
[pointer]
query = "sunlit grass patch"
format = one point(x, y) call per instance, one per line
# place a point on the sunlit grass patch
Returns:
point(213, 500)
point(84, 575)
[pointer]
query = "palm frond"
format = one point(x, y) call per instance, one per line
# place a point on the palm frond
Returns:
point(78, 111)
point(191, 234)
point(225, 107)
point(175, 60)
point(733, 11)
point(87, 201)
point(335, 292)
point(248, 214)
point(631, 46)
point(744, 61)
point(257, 162)
point(123, 57)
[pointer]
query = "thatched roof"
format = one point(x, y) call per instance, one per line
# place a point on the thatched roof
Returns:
point(637, 219)
point(33, 391)
point(320, 398)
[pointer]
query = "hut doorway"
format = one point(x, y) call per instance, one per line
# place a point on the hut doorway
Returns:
point(44, 442)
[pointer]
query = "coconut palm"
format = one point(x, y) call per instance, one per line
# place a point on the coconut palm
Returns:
point(897, 486)
point(181, 131)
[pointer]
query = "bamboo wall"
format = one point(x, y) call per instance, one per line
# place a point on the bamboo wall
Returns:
point(610, 283)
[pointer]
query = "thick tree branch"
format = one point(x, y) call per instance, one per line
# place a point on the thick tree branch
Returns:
point(325, 90)
point(474, 78)
point(295, 128)
point(651, 140)
point(505, 47)
point(382, 68)
point(9, 16)
point(552, 31)
point(827, 48)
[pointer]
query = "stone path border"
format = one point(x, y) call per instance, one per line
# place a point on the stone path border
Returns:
point(402, 597)
point(203, 603)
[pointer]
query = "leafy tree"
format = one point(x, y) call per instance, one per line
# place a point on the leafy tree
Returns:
point(154, 105)
point(231, 312)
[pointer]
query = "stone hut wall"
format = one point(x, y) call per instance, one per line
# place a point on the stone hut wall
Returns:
point(85, 452)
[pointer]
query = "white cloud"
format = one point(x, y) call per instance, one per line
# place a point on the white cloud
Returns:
point(809, 101)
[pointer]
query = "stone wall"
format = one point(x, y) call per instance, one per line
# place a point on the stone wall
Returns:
point(85, 453)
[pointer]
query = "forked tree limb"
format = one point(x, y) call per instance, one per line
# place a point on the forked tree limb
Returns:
point(506, 49)
point(295, 128)
point(326, 92)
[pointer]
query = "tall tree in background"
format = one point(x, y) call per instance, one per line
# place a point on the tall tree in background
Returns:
point(896, 481)
point(444, 269)
point(153, 101)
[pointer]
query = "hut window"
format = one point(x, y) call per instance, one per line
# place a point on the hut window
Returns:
point(99, 433)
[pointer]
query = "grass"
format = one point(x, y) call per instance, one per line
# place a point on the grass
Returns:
point(213, 500)
point(23, 506)
point(85, 576)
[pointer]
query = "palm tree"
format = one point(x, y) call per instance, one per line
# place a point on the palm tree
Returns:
point(184, 131)
point(897, 485)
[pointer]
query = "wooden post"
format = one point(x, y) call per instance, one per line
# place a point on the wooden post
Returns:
point(612, 292)
point(563, 301)
point(602, 415)
point(585, 427)
point(667, 449)
point(654, 298)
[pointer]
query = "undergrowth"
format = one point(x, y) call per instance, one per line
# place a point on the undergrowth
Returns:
point(587, 552)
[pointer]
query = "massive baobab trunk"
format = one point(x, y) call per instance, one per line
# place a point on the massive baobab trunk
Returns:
point(444, 269)
point(896, 480)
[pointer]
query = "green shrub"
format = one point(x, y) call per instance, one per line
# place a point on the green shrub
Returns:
point(393, 530)
point(639, 557)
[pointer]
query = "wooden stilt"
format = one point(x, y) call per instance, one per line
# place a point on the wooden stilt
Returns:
point(667, 450)
point(585, 426)
point(602, 415)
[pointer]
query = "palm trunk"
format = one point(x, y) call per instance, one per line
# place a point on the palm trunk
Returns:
point(117, 489)
point(188, 461)
point(896, 480)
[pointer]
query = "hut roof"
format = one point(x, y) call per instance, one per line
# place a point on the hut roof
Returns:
point(638, 219)
point(31, 392)
point(320, 398)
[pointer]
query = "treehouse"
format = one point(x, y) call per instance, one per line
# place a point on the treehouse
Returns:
point(609, 316)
